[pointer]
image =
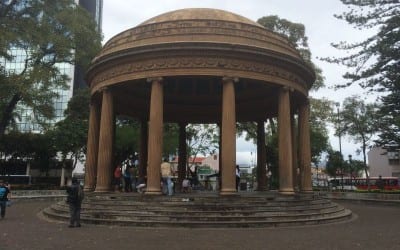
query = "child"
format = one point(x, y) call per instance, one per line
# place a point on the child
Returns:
point(186, 186)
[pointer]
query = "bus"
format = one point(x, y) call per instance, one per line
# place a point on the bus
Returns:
point(360, 183)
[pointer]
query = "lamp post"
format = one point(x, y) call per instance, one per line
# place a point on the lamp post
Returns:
point(351, 172)
point(340, 141)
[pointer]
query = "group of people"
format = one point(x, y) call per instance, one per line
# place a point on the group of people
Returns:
point(126, 178)
point(126, 175)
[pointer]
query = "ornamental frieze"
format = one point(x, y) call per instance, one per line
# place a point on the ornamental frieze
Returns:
point(204, 27)
point(195, 63)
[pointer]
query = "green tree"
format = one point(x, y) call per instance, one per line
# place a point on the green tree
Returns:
point(201, 139)
point(171, 139)
point(46, 34)
point(354, 168)
point(389, 119)
point(70, 135)
point(374, 62)
point(320, 110)
point(126, 138)
point(28, 147)
point(335, 163)
point(296, 34)
point(319, 137)
point(359, 123)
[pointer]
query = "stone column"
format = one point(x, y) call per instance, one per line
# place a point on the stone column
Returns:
point(182, 154)
point(92, 147)
point(143, 148)
point(106, 141)
point(228, 156)
point(220, 157)
point(304, 147)
point(261, 158)
point(285, 143)
point(155, 137)
point(295, 152)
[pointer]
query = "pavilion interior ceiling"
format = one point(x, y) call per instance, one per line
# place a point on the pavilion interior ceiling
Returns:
point(198, 99)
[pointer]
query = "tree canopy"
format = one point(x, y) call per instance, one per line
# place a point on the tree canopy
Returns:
point(201, 139)
point(70, 135)
point(319, 136)
point(358, 121)
point(38, 37)
point(374, 62)
point(296, 34)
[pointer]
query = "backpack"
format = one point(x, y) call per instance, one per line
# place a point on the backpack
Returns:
point(3, 193)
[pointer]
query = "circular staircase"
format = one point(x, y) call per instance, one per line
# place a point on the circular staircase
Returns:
point(198, 210)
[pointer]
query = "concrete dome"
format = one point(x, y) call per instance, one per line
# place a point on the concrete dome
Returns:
point(200, 13)
point(198, 25)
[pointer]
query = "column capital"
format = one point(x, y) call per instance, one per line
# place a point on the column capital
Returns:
point(155, 79)
point(230, 79)
point(104, 89)
point(287, 88)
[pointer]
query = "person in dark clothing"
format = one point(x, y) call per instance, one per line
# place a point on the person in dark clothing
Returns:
point(237, 177)
point(4, 191)
point(74, 200)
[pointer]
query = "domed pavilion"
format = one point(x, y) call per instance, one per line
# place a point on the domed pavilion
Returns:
point(200, 66)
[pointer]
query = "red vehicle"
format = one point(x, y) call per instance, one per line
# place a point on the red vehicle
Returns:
point(388, 183)
point(358, 183)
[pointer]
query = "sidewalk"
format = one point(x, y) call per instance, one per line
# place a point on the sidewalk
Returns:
point(376, 227)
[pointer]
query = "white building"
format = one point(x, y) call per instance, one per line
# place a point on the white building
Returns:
point(384, 162)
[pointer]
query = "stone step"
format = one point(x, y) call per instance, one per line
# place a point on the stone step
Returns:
point(202, 211)
point(238, 222)
point(137, 215)
point(171, 212)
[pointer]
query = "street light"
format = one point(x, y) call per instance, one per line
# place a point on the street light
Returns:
point(340, 140)
point(351, 171)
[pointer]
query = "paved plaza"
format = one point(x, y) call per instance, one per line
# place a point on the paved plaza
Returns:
point(374, 227)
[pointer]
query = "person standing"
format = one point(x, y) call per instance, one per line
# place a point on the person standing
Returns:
point(117, 178)
point(4, 192)
point(237, 177)
point(166, 175)
point(74, 200)
point(127, 179)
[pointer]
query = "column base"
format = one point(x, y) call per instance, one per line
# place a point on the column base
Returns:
point(102, 189)
point(153, 191)
point(308, 191)
point(228, 192)
point(286, 191)
point(88, 189)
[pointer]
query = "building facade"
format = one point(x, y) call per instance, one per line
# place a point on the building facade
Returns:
point(384, 162)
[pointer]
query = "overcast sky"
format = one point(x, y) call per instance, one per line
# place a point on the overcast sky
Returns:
point(322, 28)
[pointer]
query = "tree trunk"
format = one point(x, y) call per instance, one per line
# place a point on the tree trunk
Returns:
point(7, 113)
point(365, 165)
